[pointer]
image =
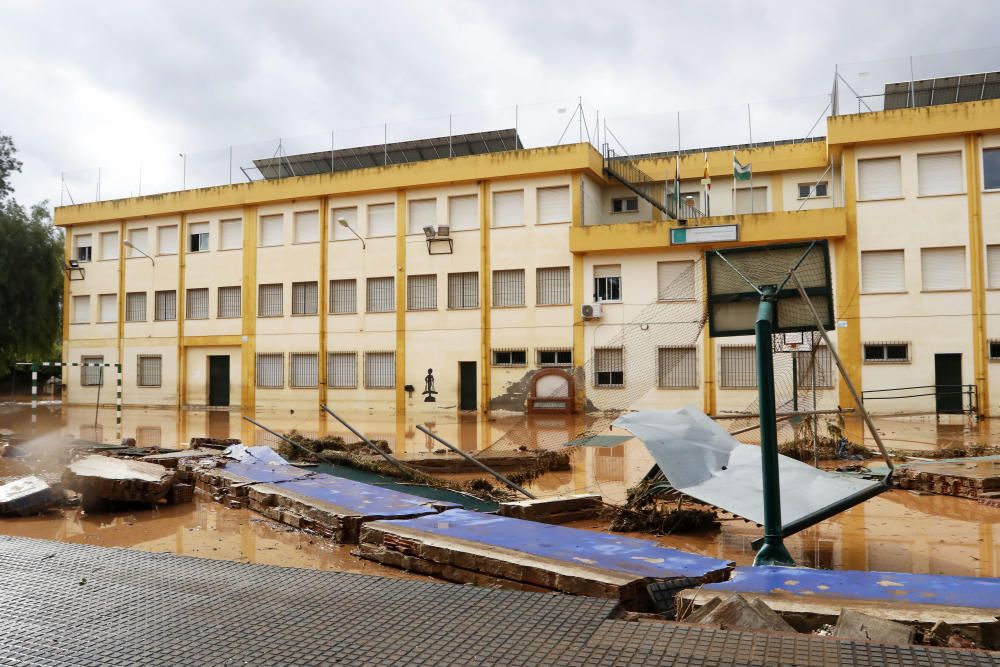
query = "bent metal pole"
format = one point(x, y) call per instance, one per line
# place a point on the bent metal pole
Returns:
point(476, 461)
point(378, 450)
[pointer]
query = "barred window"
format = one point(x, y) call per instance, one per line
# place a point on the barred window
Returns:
point(270, 300)
point(510, 358)
point(508, 288)
point(305, 370)
point(381, 296)
point(677, 367)
point(818, 363)
point(343, 296)
point(552, 286)
point(91, 376)
point(421, 292)
point(554, 357)
point(342, 370)
point(738, 366)
point(165, 305)
point(609, 367)
point(148, 367)
point(895, 352)
point(380, 370)
point(305, 298)
point(463, 290)
point(135, 307)
point(271, 371)
point(197, 304)
point(230, 301)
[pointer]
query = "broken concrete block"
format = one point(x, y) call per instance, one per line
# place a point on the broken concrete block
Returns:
point(562, 509)
point(854, 624)
point(106, 478)
point(28, 495)
point(736, 612)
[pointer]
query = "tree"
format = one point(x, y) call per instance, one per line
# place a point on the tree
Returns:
point(8, 165)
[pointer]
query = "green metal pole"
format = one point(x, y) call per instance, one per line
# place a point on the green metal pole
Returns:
point(773, 551)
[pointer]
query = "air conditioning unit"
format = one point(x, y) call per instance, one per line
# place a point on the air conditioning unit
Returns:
point(590, 311)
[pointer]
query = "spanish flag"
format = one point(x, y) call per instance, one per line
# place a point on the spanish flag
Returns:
point(705, 178)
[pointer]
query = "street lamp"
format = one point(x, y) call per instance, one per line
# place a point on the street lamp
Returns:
point(128, 244)
point(343, 223)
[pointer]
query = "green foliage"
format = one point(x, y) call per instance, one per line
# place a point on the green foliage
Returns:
point(8, 165)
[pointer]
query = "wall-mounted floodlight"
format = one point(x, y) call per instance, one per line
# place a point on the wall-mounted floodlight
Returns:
point(343, 223)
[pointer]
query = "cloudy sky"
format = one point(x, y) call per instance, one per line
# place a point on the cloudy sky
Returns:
point(119, 84)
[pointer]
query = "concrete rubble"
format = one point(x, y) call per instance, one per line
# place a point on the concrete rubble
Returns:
point(854, 624)
point(102, 478)
point(976, 478)
point(735, 612)
point(29, 495)
point(562, 509)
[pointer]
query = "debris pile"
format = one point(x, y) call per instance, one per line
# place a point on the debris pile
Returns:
point(101, 479)
point(654, 506)
point(29, 495)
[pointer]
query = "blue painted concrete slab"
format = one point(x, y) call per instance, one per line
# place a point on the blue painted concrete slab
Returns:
point(573, 546)
point(363, 499)
point(972, 592)
point(266, 474)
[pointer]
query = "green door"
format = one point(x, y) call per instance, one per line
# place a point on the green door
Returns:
point(218, 380)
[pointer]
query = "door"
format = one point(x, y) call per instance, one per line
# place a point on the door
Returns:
point(218, 380)
point(467, 385)
point(948, 382)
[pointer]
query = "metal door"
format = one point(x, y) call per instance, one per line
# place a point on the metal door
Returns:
point(218, 380)
point(467, 385)
point(948, 382)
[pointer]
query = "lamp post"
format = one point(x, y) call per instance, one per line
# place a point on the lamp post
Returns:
point(128, 244)
point(184, 173)
point(343, 223)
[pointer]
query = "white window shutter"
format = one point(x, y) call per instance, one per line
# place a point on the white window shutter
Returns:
point(675, 280)
point(166, 240)
point(939, 173)
point(882, 271)
point(230, 234)
point(423, 213)
point(463, 212)
point(553, 205)
point(879, 178)
point(108, 304)
point(943, 268)
point(993, 266)
point(271, 230)
point(81, 309)
point(508, 208)
point(306, 227)
point(140, 239)
point(109, 245)
point(337, 231)
point(381, 220)
point(608, 271)
point(744, 204)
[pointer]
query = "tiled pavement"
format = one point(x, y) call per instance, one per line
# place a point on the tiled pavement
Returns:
point(69, 604)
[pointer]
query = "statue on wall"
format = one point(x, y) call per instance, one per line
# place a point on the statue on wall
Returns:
point(429, 387)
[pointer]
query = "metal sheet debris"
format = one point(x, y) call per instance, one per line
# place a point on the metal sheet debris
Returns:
point(258, 454)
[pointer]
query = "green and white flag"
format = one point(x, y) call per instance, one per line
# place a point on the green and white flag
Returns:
point(741, 172)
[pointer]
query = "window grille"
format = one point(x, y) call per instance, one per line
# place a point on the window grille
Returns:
point(166, 240)
point(552, 286)
point(342, 370)
point(512, 358)
point(81, 309)
point(609, 367)
point(381, 295)
point(380, 370)
point(554, 357)
point(343, 296)
point(91, 376)
point(888, 352)
point(675, 281)
point(230, 301)
point(148, 436)
point(165, 305)
point(421, 292)
point(463, 290)
point(198, 235)
point(148, 367)
point(230, 234)
point(508, 288)
point(135, 307)
point(738, 366)
point(677, 367)
point(305, 370)
point(305, 298)
point(823, 361)
point(608, 282)
point(271, 371)
point(197, 304)
point(270, 300)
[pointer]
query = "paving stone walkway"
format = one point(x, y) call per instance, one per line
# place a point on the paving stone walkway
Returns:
point(79, 605)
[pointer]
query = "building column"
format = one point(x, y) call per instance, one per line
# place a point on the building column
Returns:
point(181, 314)
point(777, 192)
point(67, 314)
point(121, 294)
point(324, 252)
point(579, 374)
point(400, 303)
point(486, 299)
point(980, 344)
point(847, 299)
point(248, 309)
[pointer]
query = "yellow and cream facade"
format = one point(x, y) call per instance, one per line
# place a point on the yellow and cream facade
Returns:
point(322, 288)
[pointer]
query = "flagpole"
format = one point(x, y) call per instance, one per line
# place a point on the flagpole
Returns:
point(677, 169)
point(750, 131)
point(732, 205)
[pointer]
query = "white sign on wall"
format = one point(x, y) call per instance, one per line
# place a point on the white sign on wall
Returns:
point(711, 234)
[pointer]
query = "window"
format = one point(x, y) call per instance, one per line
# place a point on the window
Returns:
point(818, 362)
point(166, 240)
point(995, 350)
point(423, 213)
point(675, 281)
point(879, 178)
point(560, 357)
point(271, 371)
point(305, 298)
point(148, 370)
point(337, 231)
point(135, 307)
point(81, 309)
point(942, 268)
point(738, 367)
point(508, 208)
point(230, 234)
point(272, 230)
point(677, 367)
point(421, 292)
point(342, 370)
point(139, 238)
point(993, 266)
point(343, 296)
point(882, 271)
point(380, 370)
point(198, 237)
point(609, 367)
point(148, 436)
point(887, 352)
point(91, 376)
point(508, 288)
point(82, 250)
point(991, 168)
point(510, 357)
point(552, 286)
point(807, 190)
point(229, 302)
point(939, 173)
point(608, 282)
point(305, 227)
point(750, 200)
point(305, 370)
point(381, 220)
point(624, 204)
point(165, 305)
point(381, 295)
point(270, 300)
point(463, 212)
point(692, 199)
point(197, 304)
point(553, 205)
point(463, 290)
point(109, 245)
point(107, 307)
